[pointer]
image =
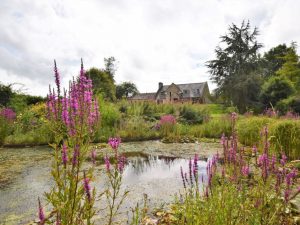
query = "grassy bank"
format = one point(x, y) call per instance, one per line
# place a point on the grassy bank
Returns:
point(145, 121)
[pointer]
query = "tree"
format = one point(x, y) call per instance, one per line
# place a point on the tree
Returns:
point(236, 69)
point(126, 89)
point(275, 58)
point(110, 66)
point(6, 93)
point(276, 89)
point(102, 83)
point(291, 67)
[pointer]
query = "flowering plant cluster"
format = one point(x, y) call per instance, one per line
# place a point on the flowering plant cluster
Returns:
point(8, 114)
point(114, 172)
point(247, 189)
point(74, 117)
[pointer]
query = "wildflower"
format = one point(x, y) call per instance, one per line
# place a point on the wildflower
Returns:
point(87, 187)
point(8, 114)
point(283, 159)
point(107, 163)
point(245, 171)
point(254, 150)
point(114, 142)
point(167, 119)
point(57, 78)
point(64, 154)
point(273, 163)
point(233, 116)
point(223, 139)
point(121, 163)
point(287, 193)
point(41, 212)
point(75, 155)
point(93, 156)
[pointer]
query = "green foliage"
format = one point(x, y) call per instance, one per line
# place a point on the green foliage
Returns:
point(214, 128)
point(276, 89)
point(126, 89)
point(6, 93)
point(18, 102)
point(291, 68)
point(235, 69)
point(290, 104)
point(285, 137)
point(4, 129)
point(191, 116)
point(275, 58)
point(103, 83)
point(110, 66)
point(249, 129)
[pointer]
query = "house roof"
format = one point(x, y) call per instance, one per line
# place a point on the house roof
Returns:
point(144, 96)
point(188, 90)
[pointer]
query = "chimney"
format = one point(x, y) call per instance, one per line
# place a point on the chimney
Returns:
point(160, 85)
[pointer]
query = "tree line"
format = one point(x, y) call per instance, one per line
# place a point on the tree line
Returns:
point(252, 81)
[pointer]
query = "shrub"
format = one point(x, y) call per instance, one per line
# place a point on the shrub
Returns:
point(191, 116)
point(285, 137)
point(289, 104)
point(276, 89)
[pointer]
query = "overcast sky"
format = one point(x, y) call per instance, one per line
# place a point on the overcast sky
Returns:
point(153, 40)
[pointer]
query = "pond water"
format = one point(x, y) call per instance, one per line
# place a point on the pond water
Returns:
point(25, 175)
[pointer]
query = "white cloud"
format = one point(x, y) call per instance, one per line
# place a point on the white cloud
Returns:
point(157, 40)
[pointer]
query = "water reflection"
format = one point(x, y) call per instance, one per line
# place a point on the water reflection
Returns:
point(27, 175)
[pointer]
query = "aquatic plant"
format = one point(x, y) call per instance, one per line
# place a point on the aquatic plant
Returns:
point(73, 118)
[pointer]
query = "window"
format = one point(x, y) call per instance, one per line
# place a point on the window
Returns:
point(198, 91)
point(185, 91)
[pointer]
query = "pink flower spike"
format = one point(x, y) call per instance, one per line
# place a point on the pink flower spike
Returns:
point(41, 212)
point(114, 142)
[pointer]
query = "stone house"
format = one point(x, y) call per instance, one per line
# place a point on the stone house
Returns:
point(177, 93)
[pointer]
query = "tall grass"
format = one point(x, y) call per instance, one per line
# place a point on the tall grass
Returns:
point(286, 137)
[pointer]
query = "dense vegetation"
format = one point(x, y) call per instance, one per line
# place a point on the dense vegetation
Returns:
point(252, 82)
point(240, 186)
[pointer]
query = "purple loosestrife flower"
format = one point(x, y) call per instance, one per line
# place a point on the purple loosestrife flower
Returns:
point(87, 187)
point(273, 163)
point(287, 193)
point(283, 159)
point(233, 116)
point(8, 114)
point(223, 139)
point(57, 78)
point(254, 150)
point(263, 163)
point(75, 155)
point(64, 154)
point(167, 119)
point(93, 156)
point(121, 163)
point(114, 143)
point(245, 171)
point(41, 212)
point(107, 163)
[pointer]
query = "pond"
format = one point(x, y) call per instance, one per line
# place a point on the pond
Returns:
point(153, 168)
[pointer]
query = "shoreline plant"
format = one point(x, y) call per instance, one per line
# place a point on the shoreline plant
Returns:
point(240, 188)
